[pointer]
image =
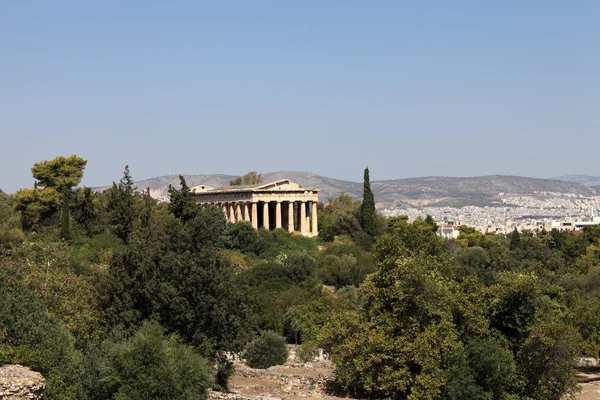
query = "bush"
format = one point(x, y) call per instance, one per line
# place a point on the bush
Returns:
point(243, 237)
point(147, 365)
point(306, 353)
point(267, 350)
point(225, 370)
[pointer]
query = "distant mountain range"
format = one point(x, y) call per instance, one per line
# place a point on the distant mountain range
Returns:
point(586, 180)
point(413, 191)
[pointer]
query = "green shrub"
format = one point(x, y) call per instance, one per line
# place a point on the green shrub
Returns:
point(267, 350)
point(306, 353)
point(225, 370)
point(147, 365)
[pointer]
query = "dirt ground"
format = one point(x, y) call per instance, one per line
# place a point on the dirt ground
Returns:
point(296, 381)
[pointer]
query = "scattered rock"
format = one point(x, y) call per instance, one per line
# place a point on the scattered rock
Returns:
point(584, 362)
point(20, 383)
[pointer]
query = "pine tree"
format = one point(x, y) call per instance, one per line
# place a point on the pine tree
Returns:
point(65, 230)
point(367, 209)
point(60, 174)
point(181, 202)
point(121, 207)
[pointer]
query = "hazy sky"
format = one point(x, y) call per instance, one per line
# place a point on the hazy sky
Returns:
point(409, 88)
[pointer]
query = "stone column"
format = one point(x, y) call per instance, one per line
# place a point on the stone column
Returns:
point(278, 215)
point(266, 215)
point(238, 211)
point(254, 218)
point(224, 209)
point(246, 212)
point(315, 229)
point(303, 218)
point(231, 207)
point(307, 225)
point(290, 226)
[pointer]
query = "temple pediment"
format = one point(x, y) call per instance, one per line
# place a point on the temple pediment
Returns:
point(282, 184)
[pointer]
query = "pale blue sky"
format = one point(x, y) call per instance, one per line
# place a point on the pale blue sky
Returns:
point(457, 88)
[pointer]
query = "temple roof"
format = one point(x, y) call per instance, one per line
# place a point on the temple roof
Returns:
point(279, 185)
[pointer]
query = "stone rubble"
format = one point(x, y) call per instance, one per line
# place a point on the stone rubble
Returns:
point(20, 383)
point(292, 381)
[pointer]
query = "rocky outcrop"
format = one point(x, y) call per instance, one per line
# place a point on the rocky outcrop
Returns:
point(20, 383)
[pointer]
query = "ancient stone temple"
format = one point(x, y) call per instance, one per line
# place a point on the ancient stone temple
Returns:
point(279, 204)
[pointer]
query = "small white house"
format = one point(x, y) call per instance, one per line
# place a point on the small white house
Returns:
point(448, 231)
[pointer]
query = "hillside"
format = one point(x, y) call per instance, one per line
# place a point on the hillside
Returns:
point(443, 190)
point(472, 189)
point(586, 180)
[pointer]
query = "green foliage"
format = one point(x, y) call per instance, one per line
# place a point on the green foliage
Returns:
point(400, 343)
point(429, 221)
point(300, 267)
point(178, 279)
point(181, 202)
point(225, 370)
point(492, 364)
point(71, 298)
point(61, 173)
point(267, 350)
point(65, 217)
point(11, 234)
point(342, 217)
point(306, 352)
point(38, 207)
point(250, 178)
point(546, 361)
point(517, 302)
point(475, 260)
point(29, 335)
point(280, 243)
point(462, 380)
point(85, 210)
point(413, 238)
point(367, 209)
point(515, 240)
point(243, 237)
point(309, 317)
point(344, 265)
point(89, 254)
point(147, 365)
point(120, 207)
point(339, 271)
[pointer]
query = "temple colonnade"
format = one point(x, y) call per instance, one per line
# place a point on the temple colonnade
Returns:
point(293, 216)
point(279, 204)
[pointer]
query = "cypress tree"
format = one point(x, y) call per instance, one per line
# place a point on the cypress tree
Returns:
point(367, 209)
point(515, 240)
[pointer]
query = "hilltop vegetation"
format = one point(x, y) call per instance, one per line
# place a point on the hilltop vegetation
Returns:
point(114, 295)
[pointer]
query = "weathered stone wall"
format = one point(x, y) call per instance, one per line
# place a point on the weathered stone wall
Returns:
point(20, 383)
